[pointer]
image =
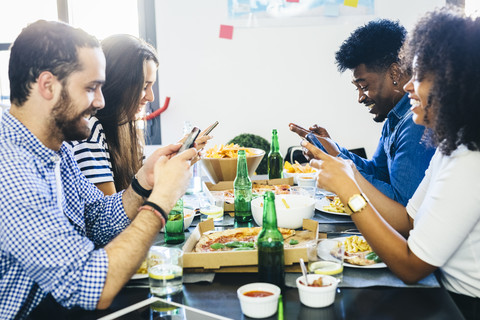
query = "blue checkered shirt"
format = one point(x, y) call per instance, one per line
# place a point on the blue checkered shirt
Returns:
point(44, 249)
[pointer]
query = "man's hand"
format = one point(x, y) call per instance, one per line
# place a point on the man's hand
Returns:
point(145, 175)
point(319, 131)
point(171, 177)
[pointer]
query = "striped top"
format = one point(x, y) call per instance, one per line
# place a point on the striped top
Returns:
point(92, 154)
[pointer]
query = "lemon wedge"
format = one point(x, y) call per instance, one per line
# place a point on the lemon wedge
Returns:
point(161, 276)
point(325, 267)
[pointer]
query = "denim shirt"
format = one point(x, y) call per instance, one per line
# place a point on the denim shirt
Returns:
point(50, 240)
point(399, 163)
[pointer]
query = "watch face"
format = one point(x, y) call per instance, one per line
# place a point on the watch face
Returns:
point(357, 203)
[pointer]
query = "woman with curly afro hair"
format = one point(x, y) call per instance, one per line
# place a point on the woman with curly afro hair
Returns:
point(439, 228)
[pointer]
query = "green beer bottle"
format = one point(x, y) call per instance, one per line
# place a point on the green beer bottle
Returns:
point(271, 261)
point(174, 232)
point(275, 159)
point(242, 189)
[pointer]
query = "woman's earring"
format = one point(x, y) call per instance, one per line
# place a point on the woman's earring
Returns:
point(395, 83)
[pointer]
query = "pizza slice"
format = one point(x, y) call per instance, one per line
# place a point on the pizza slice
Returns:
point(233, 239)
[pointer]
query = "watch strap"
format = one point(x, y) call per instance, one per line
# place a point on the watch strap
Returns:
point(141, 191)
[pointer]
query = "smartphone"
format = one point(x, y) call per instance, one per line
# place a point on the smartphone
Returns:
point(313, 140)
point(190, 140)
point(298, 130)
point(210, 128)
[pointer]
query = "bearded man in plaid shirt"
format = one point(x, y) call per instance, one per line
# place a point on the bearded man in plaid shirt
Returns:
point(60, 237)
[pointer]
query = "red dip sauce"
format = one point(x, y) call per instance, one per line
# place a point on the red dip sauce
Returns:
point(257, 294)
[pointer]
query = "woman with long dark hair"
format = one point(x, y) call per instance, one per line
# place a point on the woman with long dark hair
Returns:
point(113, 153)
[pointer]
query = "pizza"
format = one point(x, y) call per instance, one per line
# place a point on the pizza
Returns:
point(259, 190)
point(233, 239)
point(359, 252)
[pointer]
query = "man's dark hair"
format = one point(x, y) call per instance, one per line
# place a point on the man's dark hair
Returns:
point(446, 45)
point(44, 46)
point(375, 44)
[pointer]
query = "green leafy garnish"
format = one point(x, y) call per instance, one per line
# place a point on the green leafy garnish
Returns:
point(293, 242)
point(217, 246)
point(373, 256)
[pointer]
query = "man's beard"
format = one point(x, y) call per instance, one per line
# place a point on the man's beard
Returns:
point(67, 120)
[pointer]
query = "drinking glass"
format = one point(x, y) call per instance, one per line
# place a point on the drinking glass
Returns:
point(212, 206)
point(304, 191)
point(325, 256)
point(165, 270)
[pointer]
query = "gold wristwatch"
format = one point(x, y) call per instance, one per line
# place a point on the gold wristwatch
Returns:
point(357, 202)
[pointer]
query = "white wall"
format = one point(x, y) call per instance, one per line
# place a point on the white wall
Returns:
point(263, 78)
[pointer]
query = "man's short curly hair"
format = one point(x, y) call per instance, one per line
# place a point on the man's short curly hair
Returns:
point(375, 44)
point(446, 45)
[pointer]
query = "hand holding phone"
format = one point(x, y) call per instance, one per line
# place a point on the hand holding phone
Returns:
point(302, 132)
point(314, 140)
point(190, 140)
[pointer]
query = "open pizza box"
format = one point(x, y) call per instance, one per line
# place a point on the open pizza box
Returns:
point(243, 261)
point(228, 185)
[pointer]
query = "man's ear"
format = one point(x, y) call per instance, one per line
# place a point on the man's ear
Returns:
point(47, 85)
point(395, 72)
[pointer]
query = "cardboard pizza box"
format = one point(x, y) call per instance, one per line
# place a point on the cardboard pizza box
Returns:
point(242, 261)
point(226, 185)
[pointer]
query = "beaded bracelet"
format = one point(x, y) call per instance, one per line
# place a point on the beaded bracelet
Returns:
point(156, 207)
point(141, 191)
point(157, 213)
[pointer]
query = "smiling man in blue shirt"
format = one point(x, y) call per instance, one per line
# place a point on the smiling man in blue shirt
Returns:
point(59, 235)
point(399, 163)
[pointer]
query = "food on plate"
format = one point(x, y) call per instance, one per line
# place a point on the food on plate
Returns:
point(233, 239)
point(335, 205)
point(297, 168)
point(359, 252)
point(259, 190)
point(143, 268)
point(226, 151)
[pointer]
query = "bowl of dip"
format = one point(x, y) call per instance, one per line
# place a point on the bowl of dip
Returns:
point(258, 299)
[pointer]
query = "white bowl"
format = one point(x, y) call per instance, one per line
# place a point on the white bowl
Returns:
point(259, 307)
point(301, 207)
point(306, 181)
point(297, 175)
point(317, 297)
point(188, 215)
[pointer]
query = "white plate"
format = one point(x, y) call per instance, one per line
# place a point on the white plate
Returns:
point(372, 266)
point(319, 204)
point(139, 276)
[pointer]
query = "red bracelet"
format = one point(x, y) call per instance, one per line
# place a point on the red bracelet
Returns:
point(157, 213)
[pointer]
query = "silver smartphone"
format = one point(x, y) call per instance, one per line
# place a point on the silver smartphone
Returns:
point(190, 140)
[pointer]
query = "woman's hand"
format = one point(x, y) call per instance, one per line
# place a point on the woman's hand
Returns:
point(334, 173)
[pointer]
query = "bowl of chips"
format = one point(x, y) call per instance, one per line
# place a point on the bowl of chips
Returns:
point(298, 170)
point(220, 162)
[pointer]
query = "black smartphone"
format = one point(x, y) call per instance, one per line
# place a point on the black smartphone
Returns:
point(190, 140)
point(313, 140)
point(210, 128)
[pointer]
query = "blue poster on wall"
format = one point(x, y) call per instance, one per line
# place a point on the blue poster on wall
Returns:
point(295, 12)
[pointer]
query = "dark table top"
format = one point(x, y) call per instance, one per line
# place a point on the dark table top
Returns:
point(220, 297)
